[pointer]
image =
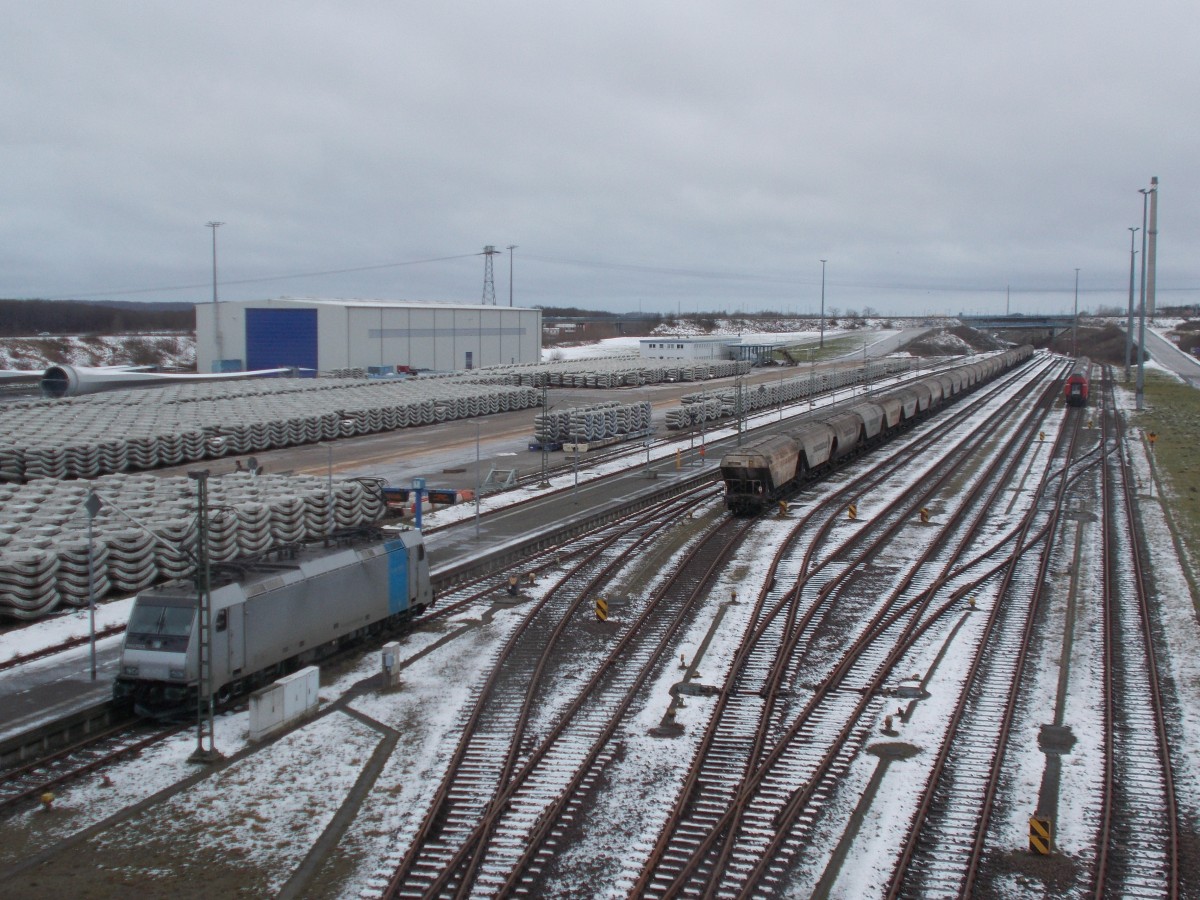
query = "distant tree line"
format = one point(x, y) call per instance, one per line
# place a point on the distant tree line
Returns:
point(25, 318)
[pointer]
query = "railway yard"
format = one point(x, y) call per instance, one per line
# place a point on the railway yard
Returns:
point(961, 662)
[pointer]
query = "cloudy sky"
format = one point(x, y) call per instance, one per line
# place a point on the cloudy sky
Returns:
point(662, 156)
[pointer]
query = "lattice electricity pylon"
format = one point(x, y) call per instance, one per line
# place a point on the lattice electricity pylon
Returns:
point(489, 283)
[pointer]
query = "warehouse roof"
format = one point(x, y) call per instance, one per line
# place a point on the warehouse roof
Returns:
point(405, 304)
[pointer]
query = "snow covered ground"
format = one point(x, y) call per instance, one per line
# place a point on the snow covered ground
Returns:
point(270, 806)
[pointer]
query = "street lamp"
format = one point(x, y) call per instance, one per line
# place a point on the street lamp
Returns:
point(1075, 319)
point(92, 506)
point(329, 486)
point(1140, 390)
point(510, 248)
point(216, 312)
point(1133, 230)
point(822, 304)
point(545, 483)
point(575, 455)
point(478, 486)
point(812, 375)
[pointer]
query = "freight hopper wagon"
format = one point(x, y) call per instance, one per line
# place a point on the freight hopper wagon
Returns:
point(271, 618)
point(766, 470)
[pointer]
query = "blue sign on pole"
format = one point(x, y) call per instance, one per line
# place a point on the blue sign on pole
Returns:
point(418, 490)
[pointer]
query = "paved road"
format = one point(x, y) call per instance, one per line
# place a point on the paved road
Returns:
point(1167, 354)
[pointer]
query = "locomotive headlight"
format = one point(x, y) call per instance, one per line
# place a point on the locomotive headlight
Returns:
point(129, 670)
point(177, 673)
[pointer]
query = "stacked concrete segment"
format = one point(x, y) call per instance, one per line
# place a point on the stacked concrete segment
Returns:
point(146, 529)
point(596, 422)
point(712, 406)
point(84, 437)
point(611, 372)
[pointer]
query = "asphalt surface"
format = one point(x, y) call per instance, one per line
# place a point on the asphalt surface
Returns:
point(1168, 355)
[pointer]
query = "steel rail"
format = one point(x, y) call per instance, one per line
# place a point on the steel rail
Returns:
point(788, 604)
point(506, 782)
point(1065, 449)
point(105, 759)
point(442, 798)
point(661, 846)
point(1145, 615)
point(724, 540)
point(1108, 628)
point(1003, 467)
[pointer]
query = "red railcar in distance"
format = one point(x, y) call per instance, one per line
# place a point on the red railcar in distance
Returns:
point(1076, 391)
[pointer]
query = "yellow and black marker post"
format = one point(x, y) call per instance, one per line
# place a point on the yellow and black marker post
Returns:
point(1041, 831)
point(852, 511)
point(601, 609)
point(924, 515)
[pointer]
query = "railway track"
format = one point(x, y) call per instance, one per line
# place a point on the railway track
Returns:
point(738, 822)
point(28, 782)
point(944, 847)
point(1137, 841)
point(502, 767)
point(514, 836)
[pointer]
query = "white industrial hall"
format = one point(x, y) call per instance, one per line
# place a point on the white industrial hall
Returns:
point(324, 335)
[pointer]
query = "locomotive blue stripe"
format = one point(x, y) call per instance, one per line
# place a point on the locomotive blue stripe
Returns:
point(397, 576)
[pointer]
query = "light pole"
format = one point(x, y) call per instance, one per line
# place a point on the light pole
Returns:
point(478, 486)
point(329, 487)
point(545, 483)
point(823, 304)
point(92, 506)
point(575, 460)
point(216, 311)
point(510, 248)
point(812, 375)
point(1140, 389)
point(739, 410)
point(1151, 251)
point(1133, 230)
point(1075, 319)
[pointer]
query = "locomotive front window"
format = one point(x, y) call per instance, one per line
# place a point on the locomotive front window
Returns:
point(160, 627)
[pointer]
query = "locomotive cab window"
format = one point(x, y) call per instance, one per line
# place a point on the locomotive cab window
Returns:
point(160, 627)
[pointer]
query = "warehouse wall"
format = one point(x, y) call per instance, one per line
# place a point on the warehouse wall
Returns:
point(437, 337)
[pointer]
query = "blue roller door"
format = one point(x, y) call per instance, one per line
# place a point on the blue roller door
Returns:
point(281, 337)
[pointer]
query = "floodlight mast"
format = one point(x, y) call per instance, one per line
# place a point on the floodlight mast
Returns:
point(216, 309)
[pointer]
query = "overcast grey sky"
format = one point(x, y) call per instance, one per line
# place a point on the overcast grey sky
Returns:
point(693, 156)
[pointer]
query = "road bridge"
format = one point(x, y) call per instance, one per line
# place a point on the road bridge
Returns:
point(1019, 322)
